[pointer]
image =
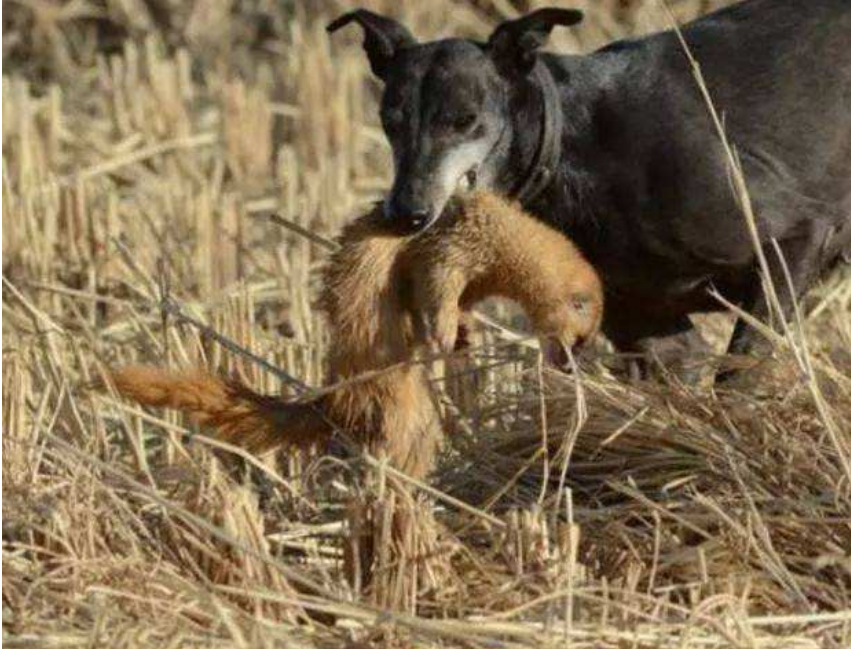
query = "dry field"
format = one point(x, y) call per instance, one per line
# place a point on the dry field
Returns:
point(146, 144)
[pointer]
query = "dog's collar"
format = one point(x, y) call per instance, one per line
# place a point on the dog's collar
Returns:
point(548, 151)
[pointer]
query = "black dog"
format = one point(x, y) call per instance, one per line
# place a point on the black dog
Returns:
point(618, 149)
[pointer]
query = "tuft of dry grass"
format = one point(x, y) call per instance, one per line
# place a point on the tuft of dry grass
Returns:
point(145, 146)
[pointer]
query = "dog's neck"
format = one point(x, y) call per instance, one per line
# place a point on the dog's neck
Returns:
point(566, 199)
point(546, 149)
point(523, 135)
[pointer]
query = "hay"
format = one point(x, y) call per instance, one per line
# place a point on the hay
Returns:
point(143, 153)
point(396, 552)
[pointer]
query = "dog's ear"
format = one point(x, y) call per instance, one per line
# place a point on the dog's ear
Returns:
point(382, 37)
point(514, 44)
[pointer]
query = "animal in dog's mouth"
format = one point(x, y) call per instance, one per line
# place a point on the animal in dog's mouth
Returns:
point(387, 297)
point(483, 246)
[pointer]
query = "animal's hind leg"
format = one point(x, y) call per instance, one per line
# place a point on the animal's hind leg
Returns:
point(661, 345)
point(802, 256)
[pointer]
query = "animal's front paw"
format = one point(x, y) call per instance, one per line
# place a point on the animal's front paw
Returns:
point(441, 329)
point(462, 337)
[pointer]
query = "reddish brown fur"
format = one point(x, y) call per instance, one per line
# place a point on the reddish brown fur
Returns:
point(372, 329)
point(372, 286)
point(239, 415)
point(488, 247)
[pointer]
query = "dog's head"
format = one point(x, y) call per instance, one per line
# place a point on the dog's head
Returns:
point(448, 106)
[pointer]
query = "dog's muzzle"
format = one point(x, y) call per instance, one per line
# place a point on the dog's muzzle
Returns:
point(411, 216)
point(408, 218)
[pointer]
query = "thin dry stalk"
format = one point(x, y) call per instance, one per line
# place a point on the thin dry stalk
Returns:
point(140, 139)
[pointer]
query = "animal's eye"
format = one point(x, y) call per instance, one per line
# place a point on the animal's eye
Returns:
point(580, 303)
point(456, 121)
point(463, 121)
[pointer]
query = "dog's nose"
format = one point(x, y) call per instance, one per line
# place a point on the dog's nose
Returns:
point(407, 218)
point(419, 219)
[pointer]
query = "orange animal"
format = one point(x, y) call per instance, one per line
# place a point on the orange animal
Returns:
point(488, 247)
point(385, 296)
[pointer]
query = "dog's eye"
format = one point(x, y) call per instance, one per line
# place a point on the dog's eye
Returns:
point(463, 121)
point(455, 121)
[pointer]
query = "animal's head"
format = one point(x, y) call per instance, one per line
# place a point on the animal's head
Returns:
point(568, 316)
point(449, 106)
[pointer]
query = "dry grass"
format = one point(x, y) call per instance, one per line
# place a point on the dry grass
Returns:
point(145, 144)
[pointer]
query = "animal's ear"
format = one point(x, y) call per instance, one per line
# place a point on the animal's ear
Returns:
point(514, 44)
point(382, 37)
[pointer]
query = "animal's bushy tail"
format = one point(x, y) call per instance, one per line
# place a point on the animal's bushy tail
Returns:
point(255, 422)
